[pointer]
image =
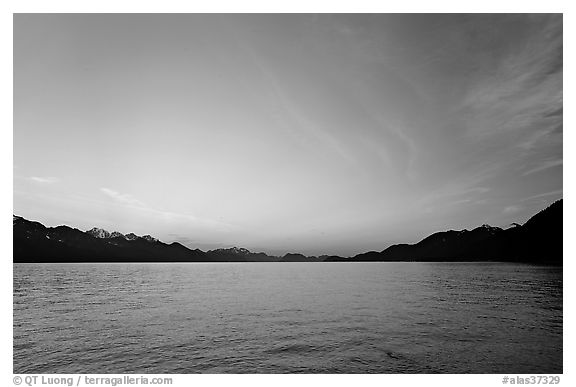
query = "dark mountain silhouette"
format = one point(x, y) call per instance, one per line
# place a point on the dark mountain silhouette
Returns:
point(296, 257)
point(441, 245)
point(35, 243)
point(236, 254)
point(539, 240)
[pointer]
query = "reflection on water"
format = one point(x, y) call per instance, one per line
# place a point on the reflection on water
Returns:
point(287, 317)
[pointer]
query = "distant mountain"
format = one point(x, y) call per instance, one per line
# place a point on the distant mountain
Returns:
point(33, 242)
point(297, 257)
point(131, 236)
point(99, 233)
point(239, 254)
point(539, 240)
point(116, 234)
point(438, 246)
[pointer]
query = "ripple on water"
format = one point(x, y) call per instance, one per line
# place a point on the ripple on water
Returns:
point(289, 318)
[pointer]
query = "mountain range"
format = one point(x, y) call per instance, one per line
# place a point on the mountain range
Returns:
point(539, 241)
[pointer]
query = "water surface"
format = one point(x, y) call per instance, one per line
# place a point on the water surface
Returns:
point(287, 317)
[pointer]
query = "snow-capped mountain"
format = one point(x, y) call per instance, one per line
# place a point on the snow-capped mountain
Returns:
point(33, 242)
point(103, 234)
point(98, 233)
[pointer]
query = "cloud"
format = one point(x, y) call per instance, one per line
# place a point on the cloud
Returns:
point(43, 180)
point(130, 201)
point(518, 85)
point(454, 193)
point(545, 165)
point(122, 198)
point(543, 195)
point(306, 127)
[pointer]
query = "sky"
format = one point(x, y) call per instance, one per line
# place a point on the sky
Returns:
point(319, 134)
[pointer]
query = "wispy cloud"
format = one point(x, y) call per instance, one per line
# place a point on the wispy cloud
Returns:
point(302, 126)
point(43, 180)
point(130, 201)
point(525, 85)
point(454, 192)
point(543, 166)
point(122, 198)
point(544, 195)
